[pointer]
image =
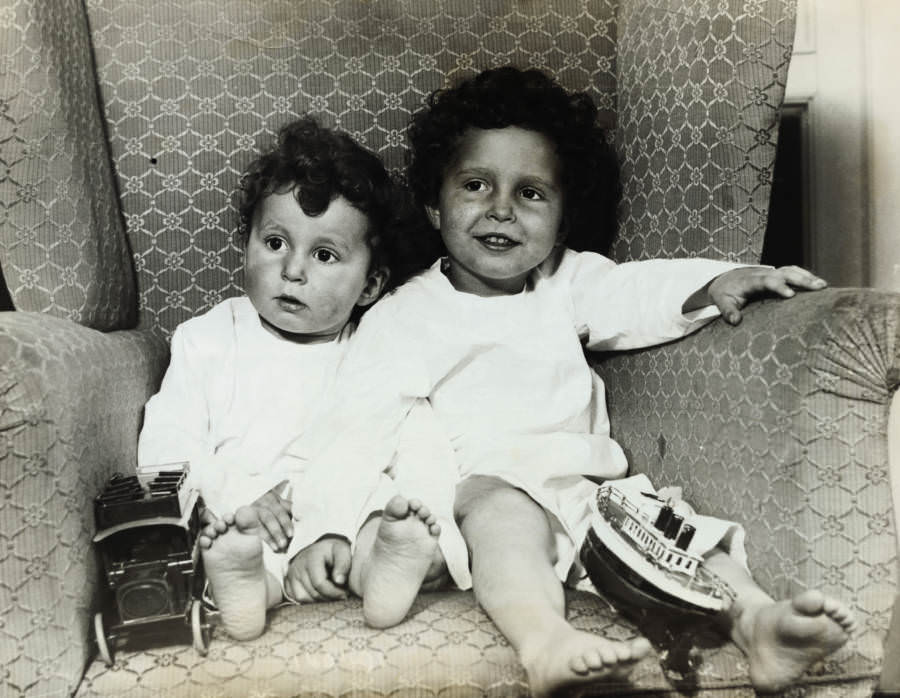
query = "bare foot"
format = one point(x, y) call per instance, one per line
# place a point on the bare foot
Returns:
point(570, 657)
point(213, 530)
point(403, 550)
point(234, 566)
point(783, 639)
point(246, 520)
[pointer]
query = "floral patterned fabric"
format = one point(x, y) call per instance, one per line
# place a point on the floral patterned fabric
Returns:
point(700, 85)
point(62, 244)
point(192, 91)
point(781, 423)
point(70, 407)
point(447, 647)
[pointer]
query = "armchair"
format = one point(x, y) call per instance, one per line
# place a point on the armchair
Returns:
point(123, 129)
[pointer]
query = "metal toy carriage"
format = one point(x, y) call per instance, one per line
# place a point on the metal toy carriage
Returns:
point(147, 529)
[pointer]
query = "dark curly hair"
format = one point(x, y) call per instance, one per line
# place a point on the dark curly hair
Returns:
point(320, 164)
point(529, 99)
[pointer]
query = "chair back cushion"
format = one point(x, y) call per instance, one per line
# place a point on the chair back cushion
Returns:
point(700, 87)
point(62, 243)
point(193, 90)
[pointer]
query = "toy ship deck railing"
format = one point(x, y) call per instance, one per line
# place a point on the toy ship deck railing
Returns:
point(643, 535)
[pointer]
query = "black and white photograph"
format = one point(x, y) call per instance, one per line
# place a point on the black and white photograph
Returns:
point(449, 348)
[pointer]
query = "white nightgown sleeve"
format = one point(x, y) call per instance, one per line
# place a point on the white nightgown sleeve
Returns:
point(636, 304)
point(176, 419)
point(425, 469)
point(355, 437)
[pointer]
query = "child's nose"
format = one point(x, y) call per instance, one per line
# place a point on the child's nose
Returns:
point(294, 268)
point(501, 208)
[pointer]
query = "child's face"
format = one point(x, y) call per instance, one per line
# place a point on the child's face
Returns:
point(304, 274)
point(499, 209)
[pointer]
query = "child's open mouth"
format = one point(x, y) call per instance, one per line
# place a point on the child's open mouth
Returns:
point(499, 243)
point(289, 303)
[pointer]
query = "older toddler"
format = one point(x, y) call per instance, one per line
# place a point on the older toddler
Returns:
point(514, 173)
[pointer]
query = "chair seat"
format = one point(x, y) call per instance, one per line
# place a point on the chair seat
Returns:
point(447, 647)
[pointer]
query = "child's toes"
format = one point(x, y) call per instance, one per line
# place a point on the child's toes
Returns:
point(579, 664)
point(623, 653)
point(846, 620)
point(414, 505)
point(593, 660)
point(609, 655)
point(209, 532)
point(398, 507)
point(812, 603)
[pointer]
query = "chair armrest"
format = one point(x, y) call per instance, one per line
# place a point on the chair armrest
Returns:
point(780, 424)
point(71, 401)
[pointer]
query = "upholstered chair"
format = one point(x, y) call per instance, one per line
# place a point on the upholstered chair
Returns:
point(124, 126)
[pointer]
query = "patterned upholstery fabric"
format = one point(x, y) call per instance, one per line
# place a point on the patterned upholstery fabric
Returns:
point(193, 90)
point(447, 647)
point(779, 423)
point(700, 87)
point(70, 408)
point(62, 243)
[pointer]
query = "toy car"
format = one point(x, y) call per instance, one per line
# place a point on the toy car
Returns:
point(638, 551)
point(146, 536)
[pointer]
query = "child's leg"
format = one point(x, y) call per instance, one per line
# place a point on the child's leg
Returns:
point(241, 587)
point(513, 553)
point(395, 553)
point(780, 638)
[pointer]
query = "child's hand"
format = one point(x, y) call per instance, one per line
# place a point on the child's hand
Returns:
point(732, 290)
point(321, 569)
point(275, 519)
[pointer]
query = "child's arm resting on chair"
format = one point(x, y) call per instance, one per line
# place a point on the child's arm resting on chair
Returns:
point(731, 291)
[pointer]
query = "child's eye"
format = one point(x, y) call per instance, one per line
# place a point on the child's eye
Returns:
point(325, 255)
point(275, 244)
point(531, 194)
point(474, 185)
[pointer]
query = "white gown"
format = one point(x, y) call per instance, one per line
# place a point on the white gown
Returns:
point(507, 377)
point(234, 396)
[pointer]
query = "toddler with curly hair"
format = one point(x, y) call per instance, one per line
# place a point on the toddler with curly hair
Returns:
point(322, 234)
point(517, 179)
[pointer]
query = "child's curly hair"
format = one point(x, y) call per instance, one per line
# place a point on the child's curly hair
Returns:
point(529, 99)
point(320, 164)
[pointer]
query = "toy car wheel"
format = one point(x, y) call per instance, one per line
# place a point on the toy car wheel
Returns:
point(100, 634)
point(199, 627)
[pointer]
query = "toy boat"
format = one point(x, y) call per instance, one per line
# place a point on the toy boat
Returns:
point(638, 550)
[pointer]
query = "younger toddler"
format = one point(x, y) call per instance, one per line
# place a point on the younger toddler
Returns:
point(320, 222)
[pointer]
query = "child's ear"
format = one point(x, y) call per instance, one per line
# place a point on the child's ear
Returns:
point(434, 215)
point(374, 286)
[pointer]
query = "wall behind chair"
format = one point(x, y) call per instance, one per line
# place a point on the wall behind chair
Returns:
point(844, 69)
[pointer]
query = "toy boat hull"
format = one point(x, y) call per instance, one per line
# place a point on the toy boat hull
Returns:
point(629, 559)
point(617, 580)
